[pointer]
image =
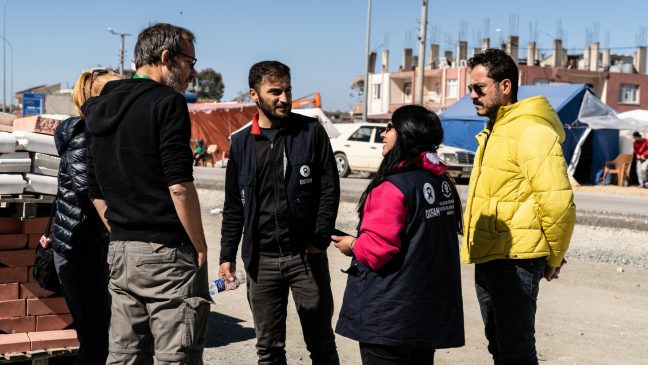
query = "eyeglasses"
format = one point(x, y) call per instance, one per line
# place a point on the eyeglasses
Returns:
point(193, 59)
point(389, 127)
point(479, 89)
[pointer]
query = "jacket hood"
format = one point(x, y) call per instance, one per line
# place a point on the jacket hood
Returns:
point(430, 161)
point(535, 109)
point(66, 131)
point(104, 113)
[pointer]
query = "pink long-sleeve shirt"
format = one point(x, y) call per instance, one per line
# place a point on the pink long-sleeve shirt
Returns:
point(384, 217)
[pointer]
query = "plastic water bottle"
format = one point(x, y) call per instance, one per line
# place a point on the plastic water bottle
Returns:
point(219, 284)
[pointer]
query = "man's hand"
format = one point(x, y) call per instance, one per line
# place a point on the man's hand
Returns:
point(344, 244)
point(553, 272)
point(185, 201)
point(225, 270)
point(45, 242)
point(202, 258)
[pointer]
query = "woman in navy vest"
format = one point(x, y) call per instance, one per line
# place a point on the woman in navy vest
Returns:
point(403, 294)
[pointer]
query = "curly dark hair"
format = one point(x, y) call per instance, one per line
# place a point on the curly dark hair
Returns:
point(500, 67)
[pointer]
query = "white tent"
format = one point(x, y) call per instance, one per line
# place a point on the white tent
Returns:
point(636, 120)
point(598, 115)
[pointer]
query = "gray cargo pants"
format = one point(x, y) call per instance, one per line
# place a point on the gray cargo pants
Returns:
point(159, 306)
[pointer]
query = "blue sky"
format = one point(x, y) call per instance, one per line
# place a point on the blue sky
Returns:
point(322, 41)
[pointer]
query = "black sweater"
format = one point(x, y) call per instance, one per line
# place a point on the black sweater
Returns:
point(139, 132)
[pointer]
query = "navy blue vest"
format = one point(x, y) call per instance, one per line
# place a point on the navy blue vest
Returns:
point(415, 299)
point(301, 184)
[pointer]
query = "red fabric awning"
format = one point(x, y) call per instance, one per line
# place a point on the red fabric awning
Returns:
point(214, 122)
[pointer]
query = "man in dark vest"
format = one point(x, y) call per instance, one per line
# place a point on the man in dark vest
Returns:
point(282, 190)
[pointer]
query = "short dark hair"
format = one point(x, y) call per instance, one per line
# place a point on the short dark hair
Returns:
point(500, 66)
point(636, 134)
point(265, 69)
point(152, 41)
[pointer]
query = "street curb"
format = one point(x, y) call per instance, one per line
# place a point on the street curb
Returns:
point(635, 222)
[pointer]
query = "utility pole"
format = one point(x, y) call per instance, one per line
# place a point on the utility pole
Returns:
point(11, 89)
point(367, 59)
point(121, 49)
point(421, 58)
point(4, 58)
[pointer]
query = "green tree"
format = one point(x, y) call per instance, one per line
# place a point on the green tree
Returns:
point(210, 85)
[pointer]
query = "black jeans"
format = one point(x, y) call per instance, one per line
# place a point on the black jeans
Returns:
point(395, 355)
point(308, 278)
point(507, 291)
point(86, 294)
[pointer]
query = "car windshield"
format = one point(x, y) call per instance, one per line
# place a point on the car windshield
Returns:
point(361, 135)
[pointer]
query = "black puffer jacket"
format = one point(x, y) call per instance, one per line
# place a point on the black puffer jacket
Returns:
point(79, 235)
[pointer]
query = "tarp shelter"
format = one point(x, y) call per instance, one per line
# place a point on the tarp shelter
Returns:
point(591, 127)
point(214, 122)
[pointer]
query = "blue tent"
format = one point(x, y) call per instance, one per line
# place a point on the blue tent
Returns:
point(585, 149)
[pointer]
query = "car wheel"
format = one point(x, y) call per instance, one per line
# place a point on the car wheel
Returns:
point(342, 164)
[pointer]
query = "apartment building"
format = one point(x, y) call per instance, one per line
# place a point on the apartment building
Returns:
point(619, 80)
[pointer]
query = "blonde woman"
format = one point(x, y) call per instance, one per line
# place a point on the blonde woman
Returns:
point(80, 238)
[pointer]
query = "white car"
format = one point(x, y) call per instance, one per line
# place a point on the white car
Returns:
point(359, 148)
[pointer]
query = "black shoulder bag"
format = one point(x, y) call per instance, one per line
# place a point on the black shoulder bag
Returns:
point(44, 271)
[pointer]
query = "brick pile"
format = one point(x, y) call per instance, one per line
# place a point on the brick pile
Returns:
point(31, 318)
point(28, 156)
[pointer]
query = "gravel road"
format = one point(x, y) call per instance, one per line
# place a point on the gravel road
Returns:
point(594, 314)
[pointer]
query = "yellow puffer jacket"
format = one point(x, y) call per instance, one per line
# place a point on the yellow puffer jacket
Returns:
point(520, 203)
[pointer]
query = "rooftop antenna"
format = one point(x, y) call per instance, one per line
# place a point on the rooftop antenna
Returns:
point(514, 24)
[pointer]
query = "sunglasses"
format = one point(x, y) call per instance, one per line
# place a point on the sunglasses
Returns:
point(95, 72)
point(193, 59)
point(389, 127)
point(479, 89)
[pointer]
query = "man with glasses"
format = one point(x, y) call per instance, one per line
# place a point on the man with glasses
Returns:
point(141, 181)
point(520, 212)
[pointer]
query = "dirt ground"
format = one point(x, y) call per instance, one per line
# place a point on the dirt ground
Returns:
point(596, 313)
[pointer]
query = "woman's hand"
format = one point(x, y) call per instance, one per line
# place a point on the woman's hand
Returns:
point(344, 244)
point(45, 242)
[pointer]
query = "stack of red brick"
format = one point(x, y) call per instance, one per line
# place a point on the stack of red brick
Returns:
point(31, 318)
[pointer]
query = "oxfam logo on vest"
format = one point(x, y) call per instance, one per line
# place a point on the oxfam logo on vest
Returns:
point(428, 193)
point(305, 172)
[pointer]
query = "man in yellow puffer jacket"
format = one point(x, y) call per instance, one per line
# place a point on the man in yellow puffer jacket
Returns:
point(520, 212)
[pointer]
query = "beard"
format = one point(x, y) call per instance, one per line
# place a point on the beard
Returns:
point(269, 112)
point(174, 80)
point(490, 106)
